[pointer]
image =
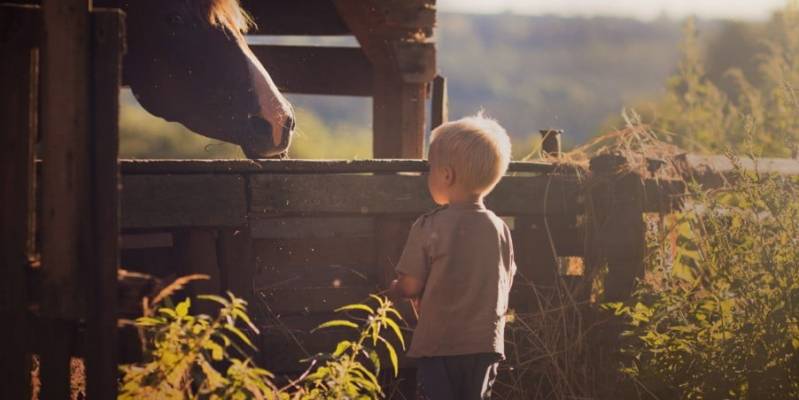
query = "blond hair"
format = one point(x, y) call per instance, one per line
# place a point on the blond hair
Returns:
point(477, 148)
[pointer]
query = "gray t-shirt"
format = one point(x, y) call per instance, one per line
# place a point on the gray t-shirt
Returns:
point(464, 255)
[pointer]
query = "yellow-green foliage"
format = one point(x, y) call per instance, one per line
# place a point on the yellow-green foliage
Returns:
point(183, 354)
point(753, 100)
point(718, 316)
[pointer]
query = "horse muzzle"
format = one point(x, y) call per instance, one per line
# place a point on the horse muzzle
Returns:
point(264, 140)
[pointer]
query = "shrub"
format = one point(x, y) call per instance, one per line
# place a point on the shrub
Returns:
point(718, 315)
point(184, 354)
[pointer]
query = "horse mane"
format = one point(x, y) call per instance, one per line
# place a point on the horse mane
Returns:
point(228, 14)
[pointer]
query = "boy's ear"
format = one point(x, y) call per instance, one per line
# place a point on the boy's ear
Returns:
point(449, 175)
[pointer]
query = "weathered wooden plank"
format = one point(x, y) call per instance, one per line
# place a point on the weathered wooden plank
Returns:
point(18, 105)
point(103, 256)
point(616, 229)
point(146, 240)
point(401, 194)
point(723, 164)
point(284, 341)
point(439, 103)
point(65, 150)
point(196, 253)
point(151, 167)
point(287, 253)
point(308, 17)
point(301, 301)
point(313, 276)
point(56, 346)
point(150, 201)
point(398, 114)
point(287, 340)
point(157, 261)
point(237, 262)
point(343, 71)
point(297, 228)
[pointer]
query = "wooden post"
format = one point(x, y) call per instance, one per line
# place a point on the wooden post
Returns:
point(18, 119)
point(440, 103)
point(65, 137)
point(551, 142)
point(398, 112)
point(101, 275)
point(615, 225)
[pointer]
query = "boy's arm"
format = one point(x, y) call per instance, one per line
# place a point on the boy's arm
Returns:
point(412, 268)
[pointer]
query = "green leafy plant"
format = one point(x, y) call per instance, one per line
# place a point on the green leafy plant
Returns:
point(347, 373)
point(182, 348)
point(718, 315)
point(184, 354)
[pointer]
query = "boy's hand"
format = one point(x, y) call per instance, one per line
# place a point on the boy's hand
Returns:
point(406, 287)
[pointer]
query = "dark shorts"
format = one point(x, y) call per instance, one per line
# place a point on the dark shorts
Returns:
point(463, 377)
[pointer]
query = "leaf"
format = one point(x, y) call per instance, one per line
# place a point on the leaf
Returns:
point(168, 311)
point(341, 347)
point(217, 352)
point(182, 308)
point(246, 318)
point(362, 307)
point(335, 323)
point(379, 299)
point(176, 285)
point(683, 272)
point(240, 334)
point(216, 299)
point(394, 327)
point(375, 358)
point(392, 355)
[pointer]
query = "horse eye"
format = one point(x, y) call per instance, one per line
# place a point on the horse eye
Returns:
point(174, 19)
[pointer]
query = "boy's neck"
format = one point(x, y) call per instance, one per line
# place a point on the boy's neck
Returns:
point(457, 199)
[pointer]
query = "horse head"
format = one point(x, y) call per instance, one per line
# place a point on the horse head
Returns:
point(187, 61)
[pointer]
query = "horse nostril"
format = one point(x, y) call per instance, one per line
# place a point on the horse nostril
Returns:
point(260, 126)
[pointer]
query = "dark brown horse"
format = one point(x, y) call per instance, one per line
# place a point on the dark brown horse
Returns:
point(187, 61)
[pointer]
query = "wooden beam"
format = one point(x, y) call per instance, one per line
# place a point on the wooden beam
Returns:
point(307, 17)
point(18, 126)
point(715, 170)
point(150, 201)
point(341, 71)
point(400, 194)
point(103, 257)
point(180, 167)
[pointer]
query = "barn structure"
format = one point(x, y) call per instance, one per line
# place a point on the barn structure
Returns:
point(296, 238)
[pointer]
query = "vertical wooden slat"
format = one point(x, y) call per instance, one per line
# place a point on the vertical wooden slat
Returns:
point(101, 274)
point(18, 103)
point(196, 254)
point(237, 262)
point(398, 110)
point(65, 135)
point(551, 142)
point(440, 103)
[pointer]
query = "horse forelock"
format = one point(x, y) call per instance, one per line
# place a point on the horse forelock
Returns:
point(228, 14)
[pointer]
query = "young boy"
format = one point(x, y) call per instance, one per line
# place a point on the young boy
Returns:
point(458, 261)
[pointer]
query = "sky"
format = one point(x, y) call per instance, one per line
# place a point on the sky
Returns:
point(643, 9)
